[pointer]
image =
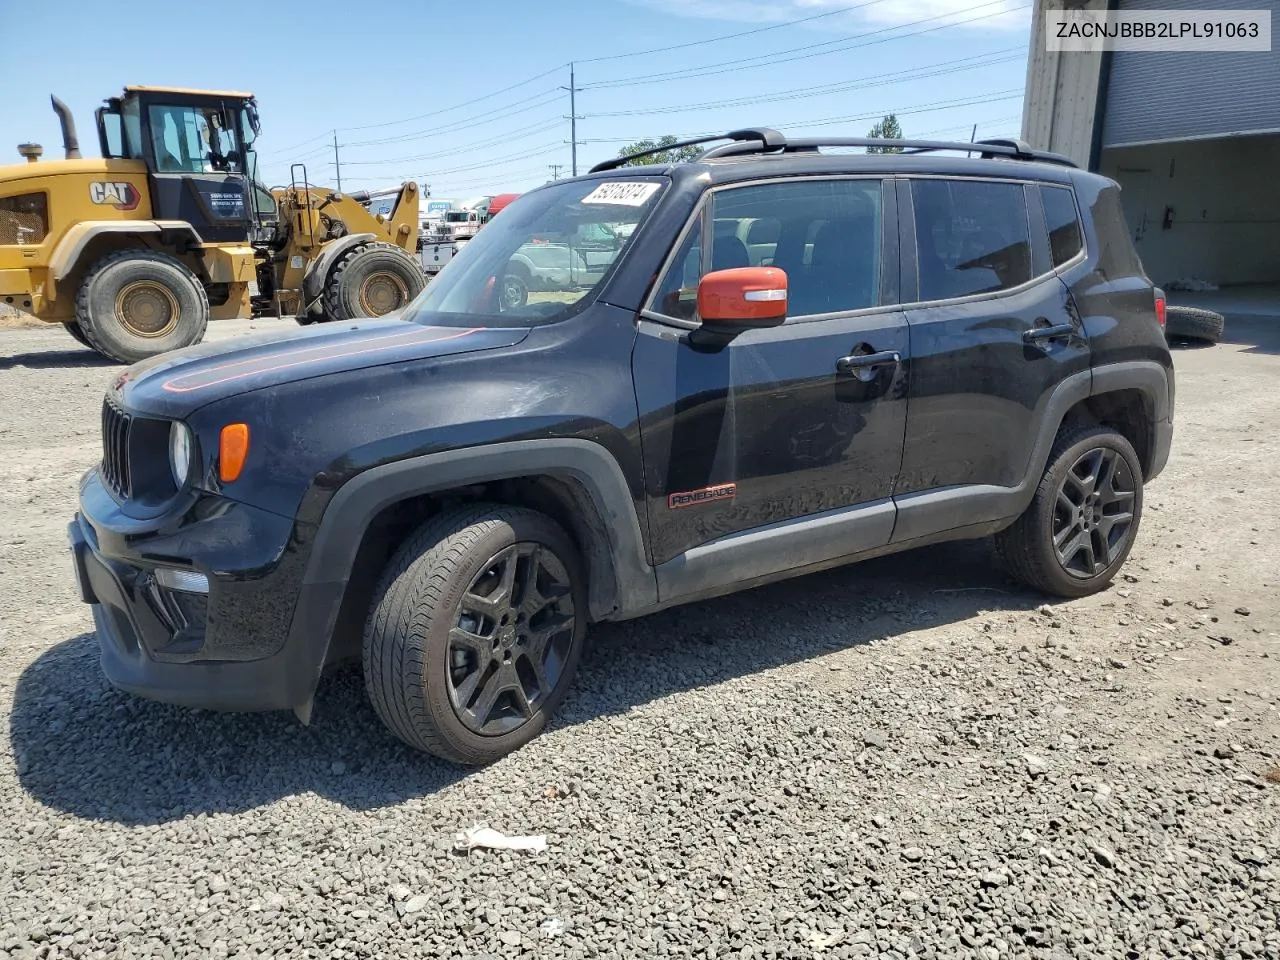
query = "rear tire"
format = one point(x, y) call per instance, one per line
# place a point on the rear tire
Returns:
point(371, 280)
point(475, 632)
point(1191, 323)
point(1080, 526)
point(135, 304)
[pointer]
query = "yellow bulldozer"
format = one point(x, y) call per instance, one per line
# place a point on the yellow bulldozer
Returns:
point(136, 251)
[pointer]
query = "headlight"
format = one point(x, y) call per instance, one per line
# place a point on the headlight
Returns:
point(179, 453)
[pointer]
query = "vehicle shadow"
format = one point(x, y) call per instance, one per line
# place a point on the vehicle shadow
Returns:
point(57, 359)
point(1255, 332)
point(86, 749)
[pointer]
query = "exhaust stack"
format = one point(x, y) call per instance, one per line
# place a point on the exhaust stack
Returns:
point(31, 151)
point(70, 145)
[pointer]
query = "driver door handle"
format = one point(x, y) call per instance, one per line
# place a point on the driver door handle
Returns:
point(1054, 331)
point(867, 361)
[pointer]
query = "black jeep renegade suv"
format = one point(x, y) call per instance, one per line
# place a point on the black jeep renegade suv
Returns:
point(763, 363)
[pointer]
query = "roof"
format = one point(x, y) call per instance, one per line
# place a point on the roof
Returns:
point(230, 94)
point(766, 153)
point(765, 166)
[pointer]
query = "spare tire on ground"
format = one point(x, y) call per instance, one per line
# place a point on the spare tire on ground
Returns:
point(1192, 323)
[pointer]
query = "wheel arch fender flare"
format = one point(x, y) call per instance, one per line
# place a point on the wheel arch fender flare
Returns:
point(313, 280)
point(66, 255)
point(590, 465)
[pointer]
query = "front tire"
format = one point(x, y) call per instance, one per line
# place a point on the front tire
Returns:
point(73, 328)
point(1076, 534)
point(475, 632)
point(135, 304)
point(372, 280)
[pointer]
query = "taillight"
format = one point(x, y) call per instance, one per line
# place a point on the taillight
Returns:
point(1160, 310)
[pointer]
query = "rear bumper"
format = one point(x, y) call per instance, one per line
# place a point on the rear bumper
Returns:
point(257, 640)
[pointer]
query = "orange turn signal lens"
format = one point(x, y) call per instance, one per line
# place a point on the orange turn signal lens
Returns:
point(233, 450)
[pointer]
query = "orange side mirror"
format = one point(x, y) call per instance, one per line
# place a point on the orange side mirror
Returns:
point(743, 297)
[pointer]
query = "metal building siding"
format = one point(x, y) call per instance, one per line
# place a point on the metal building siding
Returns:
point(1154, 97)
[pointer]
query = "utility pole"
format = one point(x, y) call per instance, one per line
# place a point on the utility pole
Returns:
point(555, 170)
point(337, 164)
point(573, 121)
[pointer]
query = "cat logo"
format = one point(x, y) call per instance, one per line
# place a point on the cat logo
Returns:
point(121, 195)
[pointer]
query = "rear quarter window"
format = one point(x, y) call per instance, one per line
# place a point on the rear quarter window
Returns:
point(1065, 237)
point(1116, 256)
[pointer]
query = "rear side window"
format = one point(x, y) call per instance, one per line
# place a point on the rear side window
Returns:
point(971, 237)
point(1064, 225)
point(24, 218)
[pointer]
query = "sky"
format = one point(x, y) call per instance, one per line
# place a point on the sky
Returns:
point(469, 98)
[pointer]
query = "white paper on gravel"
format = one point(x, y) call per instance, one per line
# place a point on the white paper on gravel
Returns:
point(622, 193)
point(483, 836)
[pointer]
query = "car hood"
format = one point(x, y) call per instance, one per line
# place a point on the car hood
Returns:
point(177, 383)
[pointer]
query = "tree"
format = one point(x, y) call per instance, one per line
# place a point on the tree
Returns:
point(886, 129)
point(677, 155)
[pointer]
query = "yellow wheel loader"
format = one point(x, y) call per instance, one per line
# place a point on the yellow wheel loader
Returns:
point(135, 252)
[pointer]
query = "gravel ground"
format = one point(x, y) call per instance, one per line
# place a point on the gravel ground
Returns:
point(907, 758)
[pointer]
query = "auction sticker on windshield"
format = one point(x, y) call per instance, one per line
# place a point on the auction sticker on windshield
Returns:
point(623, 193)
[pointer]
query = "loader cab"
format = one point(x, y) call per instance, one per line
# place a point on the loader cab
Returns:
point(198, 148)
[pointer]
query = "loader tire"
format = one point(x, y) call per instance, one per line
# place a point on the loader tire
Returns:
point(73, 328)
point(135, 304)
point(371, 280)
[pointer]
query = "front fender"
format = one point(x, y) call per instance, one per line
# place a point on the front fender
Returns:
point(359, 500)
point(66, 256)
point(313, 279)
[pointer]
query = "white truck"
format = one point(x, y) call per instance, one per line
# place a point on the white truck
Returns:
point(441, 239)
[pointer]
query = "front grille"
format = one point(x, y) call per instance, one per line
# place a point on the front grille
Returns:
point(115, 448)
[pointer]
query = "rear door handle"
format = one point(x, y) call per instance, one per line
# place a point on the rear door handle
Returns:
point(867, 361)
point(1054, 331)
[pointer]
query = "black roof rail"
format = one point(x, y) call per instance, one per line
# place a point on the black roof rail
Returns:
point(1012, 149)
point(766, 139)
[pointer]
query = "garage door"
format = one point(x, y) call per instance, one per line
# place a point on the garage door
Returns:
point(1153, 97)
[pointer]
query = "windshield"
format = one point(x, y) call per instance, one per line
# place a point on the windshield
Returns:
point(459, 216)
point(191, 139)
point(549, 251)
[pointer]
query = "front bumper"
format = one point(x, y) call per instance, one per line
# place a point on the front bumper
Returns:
point(256, 641)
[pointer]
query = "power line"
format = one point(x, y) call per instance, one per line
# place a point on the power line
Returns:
point(456, 106)
point(771, 59)
point(839, 44)
point(994, 97)
point(909, 110)
point(875, 80)
point(733, 36)
point(542, 126)
point(303, 143)
point(616, 56)
point(500, 113)
point(542, 148)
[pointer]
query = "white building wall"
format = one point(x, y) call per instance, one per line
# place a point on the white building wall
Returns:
point(1062, 90)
